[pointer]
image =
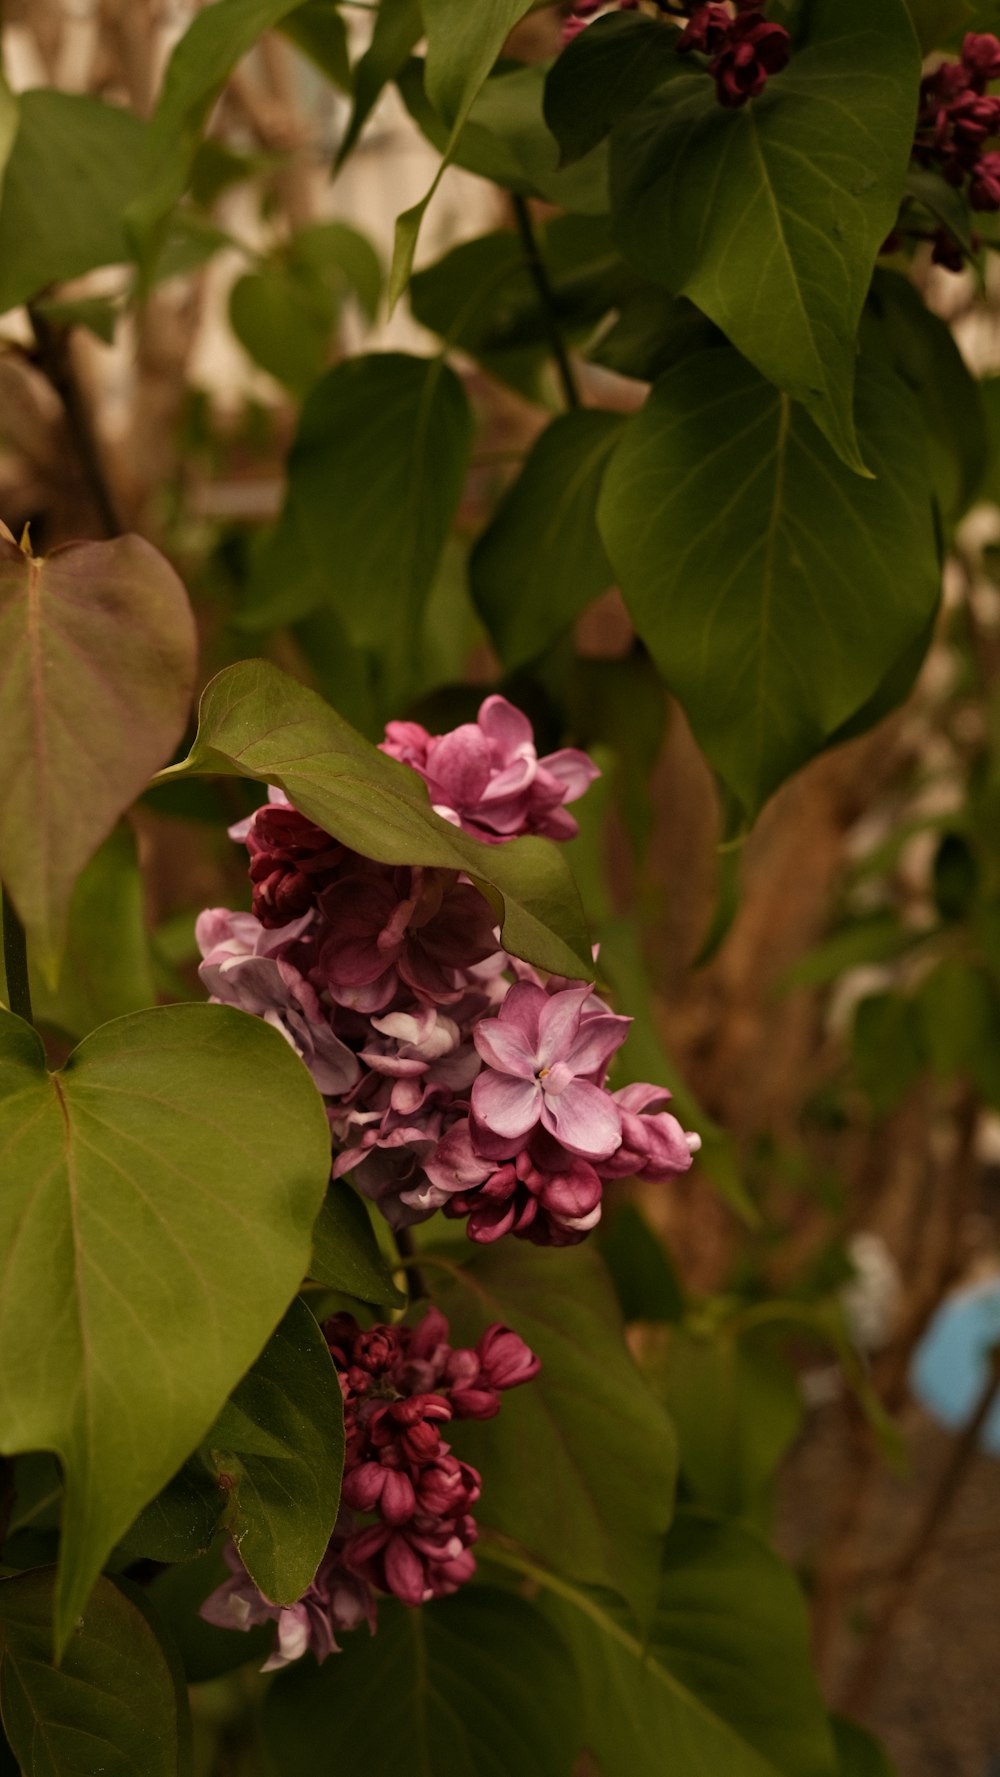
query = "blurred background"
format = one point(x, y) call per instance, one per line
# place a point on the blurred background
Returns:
point(820, 1300)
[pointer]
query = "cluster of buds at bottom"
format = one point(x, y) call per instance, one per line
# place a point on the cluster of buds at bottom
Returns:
point(405, 1526)
point(454, 1077)
point(956, 122)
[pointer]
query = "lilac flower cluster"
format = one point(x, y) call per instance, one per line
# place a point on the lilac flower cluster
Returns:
point(400, 1385)
point(956, 120)
point(743, 48)
point(454, 1078)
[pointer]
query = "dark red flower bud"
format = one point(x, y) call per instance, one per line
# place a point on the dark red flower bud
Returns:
point(984, 183)
point(506, 1360)
point(981, 55)
point(707, 30)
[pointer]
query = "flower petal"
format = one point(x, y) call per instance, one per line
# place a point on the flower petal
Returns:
point(585, 1119)
point(506, 1107)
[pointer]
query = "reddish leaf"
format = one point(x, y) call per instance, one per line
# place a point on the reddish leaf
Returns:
point(97, 660)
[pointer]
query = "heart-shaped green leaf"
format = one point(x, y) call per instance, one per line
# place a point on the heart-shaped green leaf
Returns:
point(98, 646)
point(770, 217)
point(277, 1449)
point(774, 589)
point(115, 1702)
point(256, 722)
point(156, 1203)
point(579, 1466)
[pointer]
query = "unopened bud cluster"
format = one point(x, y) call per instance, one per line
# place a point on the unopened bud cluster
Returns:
point(405, 1526)
point(956, 122)
point(743, 48)
point(454, 1077)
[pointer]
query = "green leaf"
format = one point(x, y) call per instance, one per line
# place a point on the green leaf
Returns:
point(180, 1523)
point(887, 1048)
point(462, 46)
point(936, 20)
point(277, 1450)
point(346, 1254)
point(596, 1494)
point(476, 1686)
point(921, 347)
point(736, 1408)
point(646, 1283)
point(73, 168)
point(943, 202)
point(107, 968)
point(342, 257)
point(505, 139)
point(284, 322)
point(770, 218)
point(540, 562)
point(98, 645)
point(858, 1752)
point(10, 115)
point(317, 28)
point(161, 1191)
point(113, 1704)
point(398, 25)
point(199, 67)
point(380, 434)
point(604, 74)
point(651, 332)
point(701, 1697)
point(99, 314)
point(256, 722)
point(738, 537)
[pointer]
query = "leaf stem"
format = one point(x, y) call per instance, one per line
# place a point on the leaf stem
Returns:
point(540, 278)
point(15, 961)
point(53, 356)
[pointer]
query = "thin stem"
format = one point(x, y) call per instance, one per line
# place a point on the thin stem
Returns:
point(914, 1556)
point(54, 358)
point(15, 961)
point(540, 278)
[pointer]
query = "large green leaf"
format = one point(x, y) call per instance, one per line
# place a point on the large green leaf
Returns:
point(736, 1407)
point(256, 722)
point(386, 434)
point(113, 1704)
point(770, 218)
point(318, 29)
point(71, 172)
point(579, 1466)
point(475, 1686)
point(346, 1254)
point(724, 1683)
point(936, 20)
point(199, 67)
point(157, 1200)
point(10, 116)
point(541, 562)
point(604, 74)
point(277, 1449)
point(462, 45)
point(774, 589)
point(98, 646)
point(107, 967)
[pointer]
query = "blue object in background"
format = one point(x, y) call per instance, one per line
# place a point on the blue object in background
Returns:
point(950, 1367)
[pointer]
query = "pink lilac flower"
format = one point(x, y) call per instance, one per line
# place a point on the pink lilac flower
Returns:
point(454, 1077)
point(337, 1600)
point(487, 778)
point(243, 967)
